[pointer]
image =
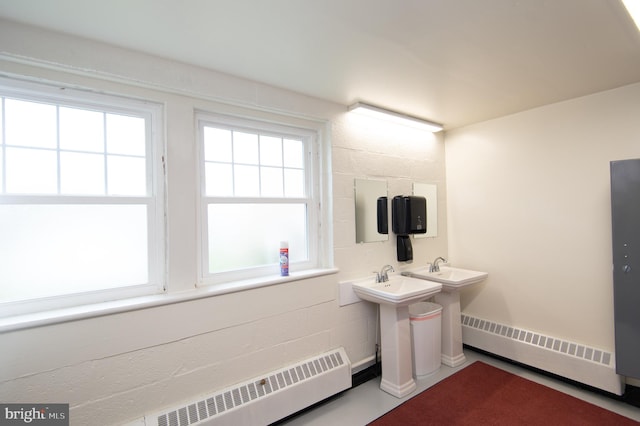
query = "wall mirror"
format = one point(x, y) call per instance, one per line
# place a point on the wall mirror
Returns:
point(367, 192)
point(430, 192)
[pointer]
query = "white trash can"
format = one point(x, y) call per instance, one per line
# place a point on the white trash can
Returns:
point(426, 321)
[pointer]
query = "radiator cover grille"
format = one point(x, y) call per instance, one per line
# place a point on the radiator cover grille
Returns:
point(210, 409)
point(524, 336)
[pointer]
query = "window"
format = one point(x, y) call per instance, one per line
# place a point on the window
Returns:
point(80, 205)
point(259, 187)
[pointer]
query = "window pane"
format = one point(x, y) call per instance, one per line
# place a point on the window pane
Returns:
point(219, 180)
point(126, 176)
point(249, 235)
point(294, 183)
point(217, 145)
point(267, 168)
point(245, 148)
point(61, 234)
point(293, 153)
point(31, 171)
point(125, 135)
point(30, 124)
point(247, 181)
point(81, 174)
point(271, 181)
point(270, 151)
point(81, 130)
point(87, 248)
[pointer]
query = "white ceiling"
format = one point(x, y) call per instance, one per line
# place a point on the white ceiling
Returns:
point(451, 61)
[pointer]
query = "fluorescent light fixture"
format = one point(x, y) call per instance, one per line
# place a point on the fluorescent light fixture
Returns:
point(633, 7)
point(395, 117)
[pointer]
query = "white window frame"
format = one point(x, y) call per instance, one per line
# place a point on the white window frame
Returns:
point(313, 198)
point(67, 96)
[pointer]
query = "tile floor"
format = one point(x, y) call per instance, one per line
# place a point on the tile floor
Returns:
point(365, 403)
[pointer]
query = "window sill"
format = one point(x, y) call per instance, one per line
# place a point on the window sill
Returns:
point(22, 322)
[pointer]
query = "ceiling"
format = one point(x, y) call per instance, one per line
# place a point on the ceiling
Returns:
point(455, 62)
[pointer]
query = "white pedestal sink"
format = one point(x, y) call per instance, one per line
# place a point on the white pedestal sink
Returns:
point(452, 280)
point(394, 298)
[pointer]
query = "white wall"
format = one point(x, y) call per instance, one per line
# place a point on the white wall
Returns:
point(528, 198)
point(119, 367)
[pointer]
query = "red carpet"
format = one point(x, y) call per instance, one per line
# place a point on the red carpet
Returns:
point(484, 395)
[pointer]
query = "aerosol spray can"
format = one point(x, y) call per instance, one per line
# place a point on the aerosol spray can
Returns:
point(284, 258)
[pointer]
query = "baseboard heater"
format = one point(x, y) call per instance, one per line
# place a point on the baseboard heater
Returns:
point(265, 399)
point(592, 366)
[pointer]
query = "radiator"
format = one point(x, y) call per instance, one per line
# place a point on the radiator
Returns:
point(265, 399)
point(592, 366)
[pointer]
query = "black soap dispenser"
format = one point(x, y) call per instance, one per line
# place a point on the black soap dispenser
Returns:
point(404, 248)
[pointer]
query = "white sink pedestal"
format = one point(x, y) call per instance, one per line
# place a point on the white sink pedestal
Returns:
point(395, 333)
point(393, 296)
point(452, 354)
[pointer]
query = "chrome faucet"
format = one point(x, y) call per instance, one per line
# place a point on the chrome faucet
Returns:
point(434, 267)
point(382, 276)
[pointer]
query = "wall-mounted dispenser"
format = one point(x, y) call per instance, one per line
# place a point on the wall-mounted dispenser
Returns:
point(408, 216)
point(383, 222)
point(404, 248)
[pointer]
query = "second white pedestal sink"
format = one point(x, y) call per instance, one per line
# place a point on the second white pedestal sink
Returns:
point(394, 297)
point(452, 280)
